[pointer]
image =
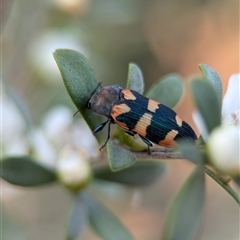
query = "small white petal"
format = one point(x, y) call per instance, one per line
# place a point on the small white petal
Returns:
point(18, 146)
point(56, 121)
point(223, 149)
point(232, 119)
point(82, 137)
point(198, 119)
point(43, 150)
point(43, 46)
point(231, 100)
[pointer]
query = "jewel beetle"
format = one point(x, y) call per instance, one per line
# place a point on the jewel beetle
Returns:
point(137, 114)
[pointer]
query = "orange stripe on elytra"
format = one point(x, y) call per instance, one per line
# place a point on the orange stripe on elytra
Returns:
point(128, 94)
point(118, 110)
point(142, 124)
point(168, 141)
point(122, 125)
point(152, 105)
point(178, 121)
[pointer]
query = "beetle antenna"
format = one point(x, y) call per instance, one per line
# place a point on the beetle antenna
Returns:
point(78, 111)
point(99, 84)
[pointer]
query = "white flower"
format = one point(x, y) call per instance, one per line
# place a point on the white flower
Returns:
point(223, 143)
point(43, 150)
point(73, 169)
point(231, 102)
point(61, 130)
point(57, 122)
point(43, 46)
point(56, 131)
point(198, 119)
point(230, 107)
point(223, 149)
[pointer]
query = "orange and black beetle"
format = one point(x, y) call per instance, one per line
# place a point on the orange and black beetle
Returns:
point(136, 114)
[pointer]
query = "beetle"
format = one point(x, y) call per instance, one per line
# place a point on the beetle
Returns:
point(137, 114)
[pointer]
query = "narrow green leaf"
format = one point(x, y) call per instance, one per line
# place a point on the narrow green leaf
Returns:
point(24, 171)
point(119, 157)
point(168, 90)
point(212, 76)
point(105, 223)
point(192, 152)
point(129, 141)
point(135, 79)
point(80, 81)
point(78, 217)
point(140, 174)
point(77, 73)
point(207, 103)
point(185, 213)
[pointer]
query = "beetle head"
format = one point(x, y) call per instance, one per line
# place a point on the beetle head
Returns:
point(102, 100)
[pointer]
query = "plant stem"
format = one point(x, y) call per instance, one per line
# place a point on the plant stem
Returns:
point(165, 153)
point(160, 153)
point(171, 154)
point(235, 195)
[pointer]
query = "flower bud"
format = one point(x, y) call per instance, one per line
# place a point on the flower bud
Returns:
point(223, 150)
point(73, 169)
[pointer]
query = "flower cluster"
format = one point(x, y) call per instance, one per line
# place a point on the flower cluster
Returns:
point(59, 142)
point(223, 142)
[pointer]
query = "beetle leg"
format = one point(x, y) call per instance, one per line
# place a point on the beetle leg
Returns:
point(130, 133)
point(101, 126)
point(149, 144)
point(109, 121)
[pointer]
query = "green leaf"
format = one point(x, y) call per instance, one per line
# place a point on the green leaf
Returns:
point(127, 140)
point(207, 103)
point(185, 213)
point(80, 81)
point(212, 76)
point(105, 223)
point(78, 217)
point(140, 174)
point(77, 73)
point(118, 157)
point(191, 152)
point(135, 79)
point(24, 171)
point(168, 90)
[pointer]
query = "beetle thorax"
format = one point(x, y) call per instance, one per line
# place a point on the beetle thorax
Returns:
point(104, 99)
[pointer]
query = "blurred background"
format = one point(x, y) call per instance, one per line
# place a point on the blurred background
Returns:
point(162, 37)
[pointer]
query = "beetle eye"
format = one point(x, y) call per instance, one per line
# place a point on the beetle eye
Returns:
point(88, 104)
point(121, 95)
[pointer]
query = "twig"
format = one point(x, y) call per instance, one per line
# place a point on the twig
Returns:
point(224, 185)
point(160, 153)
point(168, 153)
